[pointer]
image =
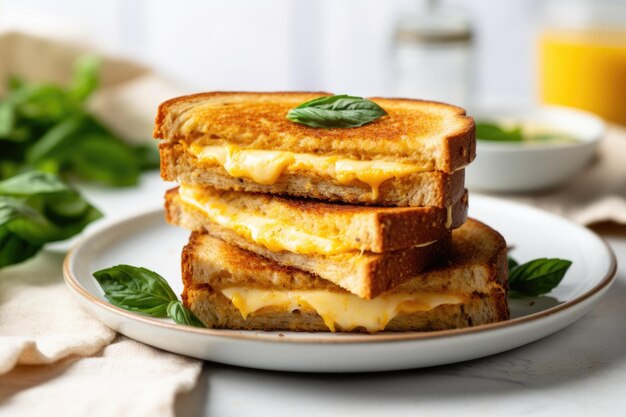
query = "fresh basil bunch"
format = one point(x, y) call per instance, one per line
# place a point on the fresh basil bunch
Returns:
point(37, 208)
point(143, 291)
point(48, 127)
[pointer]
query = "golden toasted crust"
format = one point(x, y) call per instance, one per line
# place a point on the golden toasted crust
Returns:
point(431, 188)
point(434, 135)
point(477, 267)
point(366, 228)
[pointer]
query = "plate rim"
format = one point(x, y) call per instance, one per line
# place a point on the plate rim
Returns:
point(324, 338)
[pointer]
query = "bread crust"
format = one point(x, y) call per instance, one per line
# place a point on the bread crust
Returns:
point(435, 135)
point(430, 188)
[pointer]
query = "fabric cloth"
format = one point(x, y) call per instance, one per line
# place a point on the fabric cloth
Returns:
point(55, 358)
point(598, 194)
point(51, 357)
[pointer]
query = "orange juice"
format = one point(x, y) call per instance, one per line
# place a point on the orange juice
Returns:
point(585, 69)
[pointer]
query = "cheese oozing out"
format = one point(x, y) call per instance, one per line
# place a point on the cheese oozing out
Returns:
point(271, 233)
point(266, 167)
point(339, 310)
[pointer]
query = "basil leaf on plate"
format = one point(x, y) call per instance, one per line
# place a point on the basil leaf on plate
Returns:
point(537, 277)
point(143, 291)
point(37, 208)
point(182, 315)
point(339, 111)
point(136, 289)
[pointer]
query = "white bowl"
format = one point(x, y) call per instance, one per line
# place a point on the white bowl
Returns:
point(531, 166)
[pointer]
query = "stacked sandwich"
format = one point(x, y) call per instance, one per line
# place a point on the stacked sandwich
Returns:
point(342, 229)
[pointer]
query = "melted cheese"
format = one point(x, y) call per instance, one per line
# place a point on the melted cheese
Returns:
point(346, 311)
point(266, 167)
point(271, 233)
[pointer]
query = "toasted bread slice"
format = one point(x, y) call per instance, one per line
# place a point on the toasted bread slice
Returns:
point(314, 227)
point(363, 273)
point(431, 188)
point(433, 136)
point(469, 289)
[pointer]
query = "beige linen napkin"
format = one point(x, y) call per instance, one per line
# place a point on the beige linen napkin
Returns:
point(55, 359)
point(40, 323)
point(52, 360)
point(597, 194)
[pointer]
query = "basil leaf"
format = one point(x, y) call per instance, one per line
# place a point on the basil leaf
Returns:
point(37, 208)
point(42, 105)
point(8, 169)
point(143, 291)
point(136, 289)
point(14, 83)
point(7, 119)
point(14, 249)
point(512, 263)
point(106, 160)
point(49, 128)
point(339, 111)
point(32, 183)
point(86, 79)
point(496, 133)
point(61, 137)
point(147, 156)
point(182, 315)
point(537, 277)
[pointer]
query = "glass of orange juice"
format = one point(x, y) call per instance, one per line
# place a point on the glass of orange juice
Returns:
point(582, 56)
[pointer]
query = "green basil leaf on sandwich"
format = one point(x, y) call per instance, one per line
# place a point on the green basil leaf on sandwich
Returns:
point(339, 111)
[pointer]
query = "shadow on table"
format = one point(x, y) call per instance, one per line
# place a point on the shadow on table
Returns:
point(582, 350)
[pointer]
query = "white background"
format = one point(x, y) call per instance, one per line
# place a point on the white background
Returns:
point(337, 46)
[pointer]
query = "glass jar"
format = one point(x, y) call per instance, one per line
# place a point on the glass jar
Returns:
point(432, 55)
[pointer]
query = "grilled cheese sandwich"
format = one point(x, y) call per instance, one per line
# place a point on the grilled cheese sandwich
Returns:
point(273, 233)
point(228, 287)
point(311, 227)
point(414, 156)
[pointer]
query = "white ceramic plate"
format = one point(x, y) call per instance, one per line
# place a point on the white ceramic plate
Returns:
point(146, 240)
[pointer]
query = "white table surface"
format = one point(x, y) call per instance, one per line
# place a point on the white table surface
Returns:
point(579, 371)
